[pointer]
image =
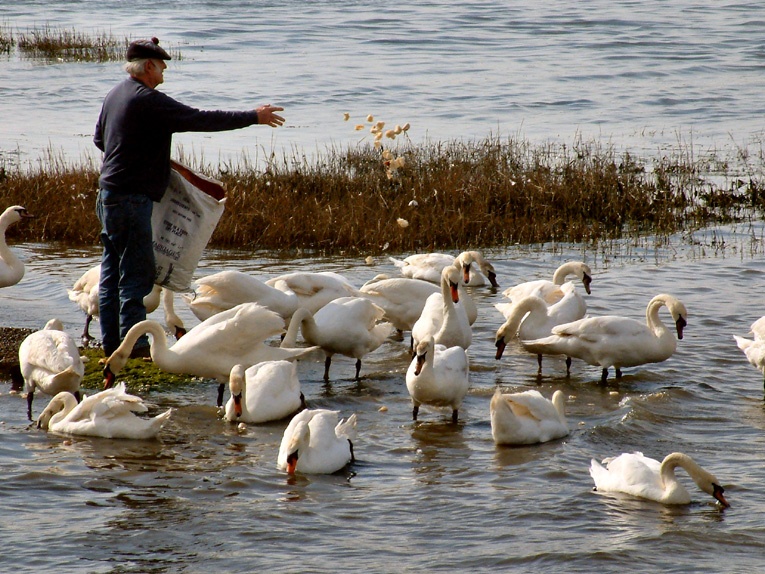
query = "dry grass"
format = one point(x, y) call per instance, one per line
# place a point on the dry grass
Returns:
point(450, 195)
point(57, 44)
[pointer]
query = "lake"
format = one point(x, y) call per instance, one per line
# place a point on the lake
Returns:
point(422, 495)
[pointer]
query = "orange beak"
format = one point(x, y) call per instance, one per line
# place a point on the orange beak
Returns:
point(108, 377)
point(292, 463)
point(466, 273)
point(455, 293)
point(238, 405)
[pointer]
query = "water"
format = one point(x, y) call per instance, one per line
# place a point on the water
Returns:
point(640, 75)
point(425, 495)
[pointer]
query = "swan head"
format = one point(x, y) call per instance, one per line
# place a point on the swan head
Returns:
point(62, 402)
point(467, 258)
point(14, 214)
point(586, 279)
point(427, 345)
point(679, 314)
point(236, 385)
point(450, 275)
point(114, 364)
point(301, 437)
point(709, 484)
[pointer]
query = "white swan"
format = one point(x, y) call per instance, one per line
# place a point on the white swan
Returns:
point(613, 341)
point(227, 289)
point(11, 267)
point(349, 326)
point(643, 477)
point(754, 350)
point(211, 348)
point(401, 298)
point(550, 290)
point(527, 417)
point(428, 266)
point(443, 317)
point(107, 414)
point(50, 361)
point(84, 293)
point(438, 376)
point(316, 442)
point(532, 318)
point(266, 391)
point(314, 289)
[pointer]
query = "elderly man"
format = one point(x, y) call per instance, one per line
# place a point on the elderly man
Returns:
point(134, 132)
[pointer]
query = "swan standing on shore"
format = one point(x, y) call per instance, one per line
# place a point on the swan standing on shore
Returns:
point(527, 417)
point(349, 326)
point(613, 341)
point(211, 348)
point(107, 414)
point(531, 318)
point(438, 376)
point(550, 291)
point(50, 361)
point(643, 477)
point(227, 289)
point(443, 317)
point(266, 391)
point(11, 267)
point(315, 442)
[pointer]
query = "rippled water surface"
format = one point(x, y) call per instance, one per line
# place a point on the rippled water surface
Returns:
point(428, 495)
point(639, 74)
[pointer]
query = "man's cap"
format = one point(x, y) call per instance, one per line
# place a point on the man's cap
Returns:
point(140, 49)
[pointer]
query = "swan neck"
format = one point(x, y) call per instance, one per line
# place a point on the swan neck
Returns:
point(559, 277)
point(69, 402)
point(652, 314)
point(148, 327)
point(301, 319)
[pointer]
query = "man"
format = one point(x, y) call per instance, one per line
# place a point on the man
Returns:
point(134, 130)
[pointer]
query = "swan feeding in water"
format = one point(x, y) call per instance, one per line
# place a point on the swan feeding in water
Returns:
point(614, 341)
point(317, 442)
point(107, 414)
point(266, 391)
point(211, 348)
point(438, 376)
point(550, 291)
point(643, 477)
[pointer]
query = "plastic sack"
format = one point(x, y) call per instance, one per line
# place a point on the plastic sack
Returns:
point(182, 224)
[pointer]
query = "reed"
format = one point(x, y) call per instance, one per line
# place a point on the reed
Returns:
point(59, 44)
point(442, 195)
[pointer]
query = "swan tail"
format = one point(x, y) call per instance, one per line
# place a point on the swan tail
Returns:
point(68, 377)
point(347, 428)
point(398, 262)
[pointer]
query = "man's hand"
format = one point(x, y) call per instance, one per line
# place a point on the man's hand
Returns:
point(268, 117)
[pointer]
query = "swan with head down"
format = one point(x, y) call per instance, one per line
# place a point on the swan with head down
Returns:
point(266, 391)
point(614, 341)
point(548, 290)
point(317, 442)
point(438, 376)
point(531, 318)
point(314, 289)
point(11, 267)
point(50, 362)
point(211, 348)
point(643, 477)
point(107, 414)
point(226, 289)
point(527, 417)
point(350, 326)
point(428, 267)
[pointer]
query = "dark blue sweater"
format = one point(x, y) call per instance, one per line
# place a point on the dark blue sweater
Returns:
point(135, 131)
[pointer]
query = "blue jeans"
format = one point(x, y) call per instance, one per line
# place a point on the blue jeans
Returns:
point(127, 265)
